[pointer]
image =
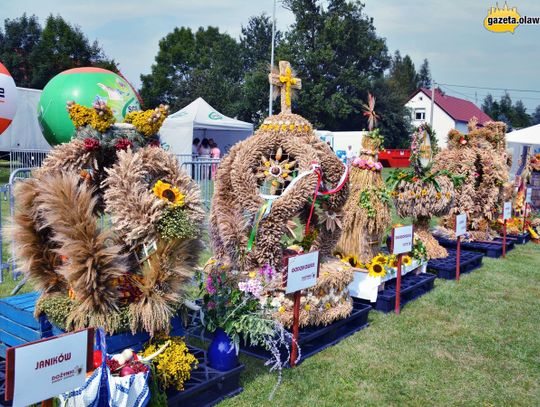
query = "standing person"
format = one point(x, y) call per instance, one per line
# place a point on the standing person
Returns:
point(204, 149)
point(215, 154)
point(195, 147)
point(350, 155)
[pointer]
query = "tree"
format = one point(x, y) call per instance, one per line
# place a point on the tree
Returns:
point(256, 44)
point(535, 117)
point(338, 55)
point(424, 75)
point(34, 55)
point(189, 64)
point(20, 37)
point(514, 115)
point(490, 106)
point(256, 41)
point(520, 118)
point(403, 78)
point(63, 46)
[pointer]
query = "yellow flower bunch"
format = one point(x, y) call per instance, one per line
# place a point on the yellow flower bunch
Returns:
point(100, 117)
point(173, 366)
point(148, 122)
point(79, 115)
point(102, 120)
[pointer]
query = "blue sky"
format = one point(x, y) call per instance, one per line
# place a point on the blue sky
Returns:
point(449, 33)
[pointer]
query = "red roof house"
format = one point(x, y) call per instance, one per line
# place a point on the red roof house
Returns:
point(449, 112)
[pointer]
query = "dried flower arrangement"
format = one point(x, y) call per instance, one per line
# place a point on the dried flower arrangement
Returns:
point(480, 158)
point(109, 226)
point(283, 173)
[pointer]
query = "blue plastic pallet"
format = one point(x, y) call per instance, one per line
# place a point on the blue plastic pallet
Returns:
point(311, 339)
point(206, 386)
point(490, 249)
point(412, 287)
point(18, 326)
point(521, 238)
point(446, 267)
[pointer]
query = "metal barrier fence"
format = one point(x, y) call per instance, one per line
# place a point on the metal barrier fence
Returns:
point(26, 159)
point(202, 170)
point(7, 197)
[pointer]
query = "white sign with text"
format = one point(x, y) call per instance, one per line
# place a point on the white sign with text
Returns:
point(302, 272)
point(507, 210)
point(528, 196)
point(402, 239)
point(461, 224)
point(46, 369)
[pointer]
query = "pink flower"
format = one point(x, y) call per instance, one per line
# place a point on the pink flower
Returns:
point(211, 305)
point(266, 271)
point(210, 286)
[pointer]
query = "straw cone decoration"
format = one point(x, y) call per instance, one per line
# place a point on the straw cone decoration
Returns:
point(362, 233)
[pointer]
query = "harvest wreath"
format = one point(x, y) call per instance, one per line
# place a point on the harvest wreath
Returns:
point(108, 229)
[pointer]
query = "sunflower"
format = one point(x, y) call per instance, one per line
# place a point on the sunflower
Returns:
point(168, 193)
point(339, 255)
point(407, 260)
point(353, 261)
point(380, 259)
point(376, 270)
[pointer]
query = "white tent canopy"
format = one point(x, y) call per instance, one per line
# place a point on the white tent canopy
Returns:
point(199, 119)
point(24, 132)
point(517, 139)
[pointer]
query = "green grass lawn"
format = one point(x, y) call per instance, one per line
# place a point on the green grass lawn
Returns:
point(472, 343)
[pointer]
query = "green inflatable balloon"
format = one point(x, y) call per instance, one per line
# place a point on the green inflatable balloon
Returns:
point(84, 86)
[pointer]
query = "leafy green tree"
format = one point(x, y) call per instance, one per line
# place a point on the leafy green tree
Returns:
point(256, 44)
point(535, 117)
point(63, 46)
point(20, 37)
point(338, 55)
point(189, 64)
point(513, 114)
point(34, 55)
point(520, 118)
point(403, 78)
point(424, 75)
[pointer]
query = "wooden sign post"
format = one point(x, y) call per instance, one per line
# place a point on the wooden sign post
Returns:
point(507, 214)
point(40, 370)
point(461, 229)
point(402, 242)
point(302, 273)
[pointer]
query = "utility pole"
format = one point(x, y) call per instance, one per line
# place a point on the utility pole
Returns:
point(271, 95)
point(432, 104)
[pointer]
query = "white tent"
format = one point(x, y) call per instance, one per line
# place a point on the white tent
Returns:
point(517, 139)
point(199, 119)
point(24, 132)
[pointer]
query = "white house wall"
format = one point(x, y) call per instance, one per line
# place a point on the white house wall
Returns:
point(442, 122)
